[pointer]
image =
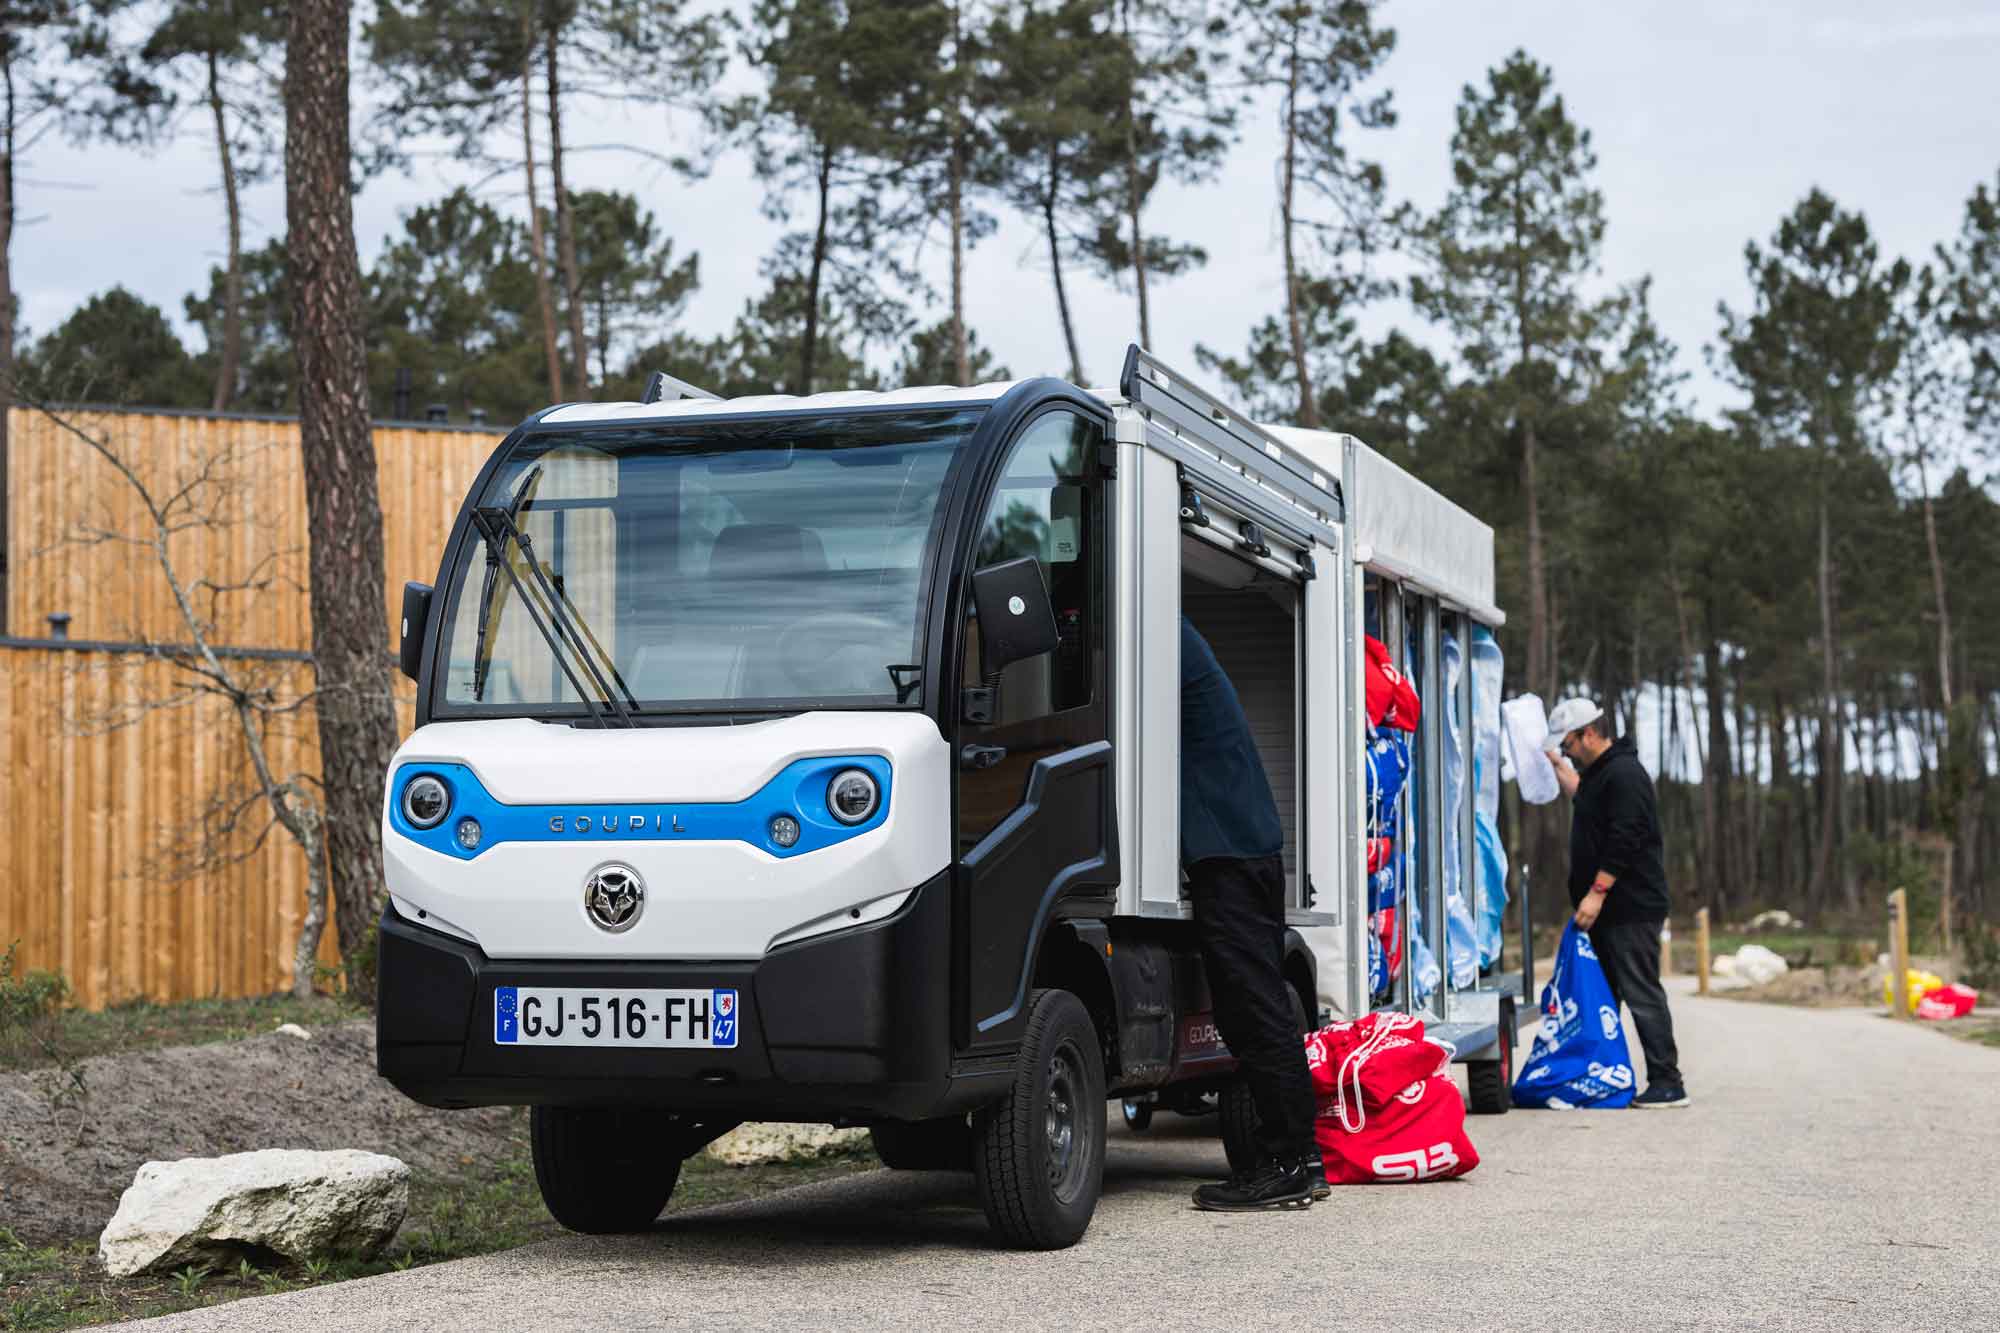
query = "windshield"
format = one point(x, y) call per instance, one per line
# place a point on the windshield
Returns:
point(722, 566)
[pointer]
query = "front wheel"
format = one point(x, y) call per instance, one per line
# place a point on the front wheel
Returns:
point(1038, 1154)
point(1489, 1084)
point(604, 1172)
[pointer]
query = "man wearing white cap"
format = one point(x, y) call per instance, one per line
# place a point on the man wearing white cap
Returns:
point(1618, 878)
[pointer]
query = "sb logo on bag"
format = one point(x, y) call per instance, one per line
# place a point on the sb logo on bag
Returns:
point(1608, 1018)
point(1417, 1164)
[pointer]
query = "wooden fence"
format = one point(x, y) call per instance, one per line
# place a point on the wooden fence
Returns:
point(93, 815)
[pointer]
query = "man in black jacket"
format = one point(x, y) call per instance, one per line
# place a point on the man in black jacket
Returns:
point(1618, 878)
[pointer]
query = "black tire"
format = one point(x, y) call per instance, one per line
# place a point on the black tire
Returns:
point(604, 1172)
point(1138, 1114)
point(1038, 1154)
point(1239, 1111)
point(1239, 1125)
point(1489, 1084)
point(924, 1145)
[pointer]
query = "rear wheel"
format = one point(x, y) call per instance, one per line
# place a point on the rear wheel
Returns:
point(1038, 1154)
point(924, 1145)
point(603, 1172)
point(1489, 1084)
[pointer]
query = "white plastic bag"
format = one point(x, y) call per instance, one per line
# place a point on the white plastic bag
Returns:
point(1524, 725)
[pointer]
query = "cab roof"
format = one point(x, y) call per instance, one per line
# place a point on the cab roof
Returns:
point(926, 395)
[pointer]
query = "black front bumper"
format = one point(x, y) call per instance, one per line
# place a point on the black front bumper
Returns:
point(850, 1027)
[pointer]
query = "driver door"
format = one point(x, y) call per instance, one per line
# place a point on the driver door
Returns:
point(1036, 824)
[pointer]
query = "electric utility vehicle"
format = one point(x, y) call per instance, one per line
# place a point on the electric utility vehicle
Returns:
point(816, 759)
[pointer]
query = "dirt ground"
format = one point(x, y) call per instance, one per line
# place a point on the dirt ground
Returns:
point(64, 1166)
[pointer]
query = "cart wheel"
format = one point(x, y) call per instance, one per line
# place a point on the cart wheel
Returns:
point(1138, 1114)
point(1489, 1084)
point(1239, 1125)
point(924, 1145)
point(603, 1172)
point(1038, 1154)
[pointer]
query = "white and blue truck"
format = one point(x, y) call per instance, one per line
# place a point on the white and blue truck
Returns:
point(816, 759)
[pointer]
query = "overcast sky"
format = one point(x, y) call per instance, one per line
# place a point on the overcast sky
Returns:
point(1710, 120)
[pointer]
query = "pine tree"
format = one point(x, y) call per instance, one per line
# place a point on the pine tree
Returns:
point(265, 378)
point(1816, 345)
point(1318, 58)
point(114, 348)
point(630, 286)
point(1518, 233)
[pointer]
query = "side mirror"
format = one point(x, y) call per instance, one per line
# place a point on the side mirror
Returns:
point(1016, 621)
point(416, 616)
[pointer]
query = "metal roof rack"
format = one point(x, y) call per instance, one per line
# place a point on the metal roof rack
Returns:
point(1210, 440)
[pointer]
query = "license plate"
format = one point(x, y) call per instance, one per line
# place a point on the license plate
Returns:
point(588, 1016)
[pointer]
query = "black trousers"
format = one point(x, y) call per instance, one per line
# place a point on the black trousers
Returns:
point(1630, 953)
point(1239, 915)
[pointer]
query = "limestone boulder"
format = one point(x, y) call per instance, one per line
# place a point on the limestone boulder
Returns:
point(761, 1144)
point(298, 1204)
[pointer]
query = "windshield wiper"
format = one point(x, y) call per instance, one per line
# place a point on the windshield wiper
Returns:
point(482, 660)
point(564, 629)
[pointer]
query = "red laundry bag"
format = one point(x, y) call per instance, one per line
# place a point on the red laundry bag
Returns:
point(1953, 1001)
point(1419, 1135)
point(1362, 1066)
point(1392, 701)
point(1379, 852)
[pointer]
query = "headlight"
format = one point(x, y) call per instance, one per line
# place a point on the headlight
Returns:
point(852, 795)
point(426, 801)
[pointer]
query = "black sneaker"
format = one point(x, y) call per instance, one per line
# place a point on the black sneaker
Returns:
point(1269, 1186)
point(1316, 1171)
point(1660, 1096)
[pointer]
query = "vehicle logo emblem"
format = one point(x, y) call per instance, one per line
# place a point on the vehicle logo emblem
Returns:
point(613, 896)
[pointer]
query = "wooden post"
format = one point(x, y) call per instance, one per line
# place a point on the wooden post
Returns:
point(1701, 950)
point(1666, 948)
point(1899, 954)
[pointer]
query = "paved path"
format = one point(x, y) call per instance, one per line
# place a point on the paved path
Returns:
point(1837, 1171)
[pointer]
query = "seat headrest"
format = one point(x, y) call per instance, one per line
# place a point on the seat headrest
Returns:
point(750, 550)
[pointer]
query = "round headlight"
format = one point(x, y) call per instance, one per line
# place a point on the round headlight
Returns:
point(425, 801)
point(785, 831)
point(852, 795)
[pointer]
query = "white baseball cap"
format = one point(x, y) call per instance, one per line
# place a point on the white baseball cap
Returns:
point(1567, 717)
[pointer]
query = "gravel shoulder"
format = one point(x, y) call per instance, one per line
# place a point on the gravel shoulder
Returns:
point(1838, 1170)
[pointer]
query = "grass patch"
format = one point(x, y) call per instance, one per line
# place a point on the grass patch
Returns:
point(142, 1025)
point(1978, 1029)
point(484, 1207)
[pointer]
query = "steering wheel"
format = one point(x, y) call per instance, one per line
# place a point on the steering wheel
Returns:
point(804, 647)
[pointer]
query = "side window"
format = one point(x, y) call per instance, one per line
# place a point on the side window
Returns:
point(1049, 504)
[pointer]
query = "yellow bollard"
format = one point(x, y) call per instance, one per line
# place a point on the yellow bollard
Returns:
point(1899, 954)
point(1701, 950)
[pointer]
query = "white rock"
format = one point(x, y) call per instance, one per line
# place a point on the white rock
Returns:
point(1759, 965)
point(295, 1203)
point(293, 1030)
point(759, 1143)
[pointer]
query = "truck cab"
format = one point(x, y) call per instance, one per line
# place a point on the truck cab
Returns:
point(816, 759)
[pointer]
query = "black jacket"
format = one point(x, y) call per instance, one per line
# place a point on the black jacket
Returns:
point(1616, 827)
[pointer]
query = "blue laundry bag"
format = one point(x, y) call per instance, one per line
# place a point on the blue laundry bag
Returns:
point(1579, 1059)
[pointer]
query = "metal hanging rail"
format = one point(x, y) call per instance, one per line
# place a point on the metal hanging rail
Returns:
point(1212, 442)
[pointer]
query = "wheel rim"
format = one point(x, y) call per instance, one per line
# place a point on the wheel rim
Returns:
point(1062, 1122)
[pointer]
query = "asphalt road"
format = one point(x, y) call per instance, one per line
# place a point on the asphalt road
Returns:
point(1836, 1171)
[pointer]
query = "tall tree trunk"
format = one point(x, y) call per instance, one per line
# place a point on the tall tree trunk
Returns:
point(1830, 728)
point(1133, 196)
point(1541, 670)
point(232, 288)
point(6, 316)
point(961, 352)
point(1937, 585)
point(545, 296)
point(809, 350)
point(1706, 859)
point(357, 720)
point(1715, 807)
point(572, 280)
point(1781, 789)
point(1055, 266)
point(1287, 195)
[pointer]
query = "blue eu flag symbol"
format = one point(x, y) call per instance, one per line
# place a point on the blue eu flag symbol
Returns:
point(723, 1032)
point(506, 1014)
